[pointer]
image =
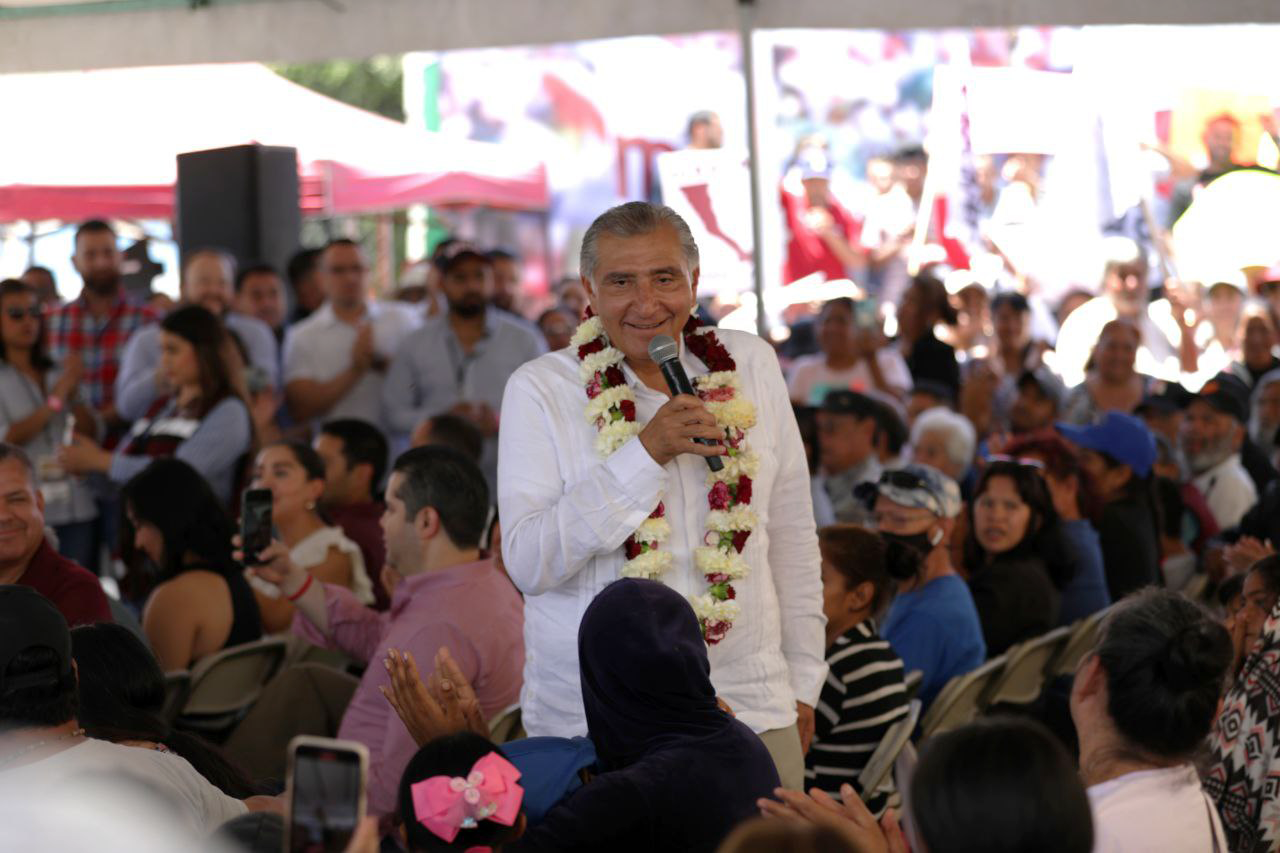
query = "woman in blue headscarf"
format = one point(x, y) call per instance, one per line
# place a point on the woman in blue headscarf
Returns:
point(676, 772)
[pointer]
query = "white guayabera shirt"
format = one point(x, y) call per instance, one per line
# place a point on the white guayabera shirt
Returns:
point(566, 513)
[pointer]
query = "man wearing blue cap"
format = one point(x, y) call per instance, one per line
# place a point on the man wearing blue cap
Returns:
point(1118, 453)
point(932, 624)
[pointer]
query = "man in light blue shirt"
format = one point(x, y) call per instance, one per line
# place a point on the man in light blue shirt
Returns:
point(932, 623)
point(208, 278)
point(460, 361)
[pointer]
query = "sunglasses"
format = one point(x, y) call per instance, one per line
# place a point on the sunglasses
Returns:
point(33, 312)
point(902, 480)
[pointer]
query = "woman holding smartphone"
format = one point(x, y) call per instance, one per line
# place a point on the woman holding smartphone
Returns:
point(39, 407)
point(204, 421)
point(294, 474)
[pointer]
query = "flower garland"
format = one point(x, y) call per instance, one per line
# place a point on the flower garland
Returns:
point(611, 407)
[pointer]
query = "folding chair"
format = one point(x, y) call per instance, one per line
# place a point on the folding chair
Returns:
point(913, 680)
point(960, 701)
point(224, 685)
point(1084, 636)
point(880, 765)
point(1026, 669)
point(506, 726)
point(177, 686)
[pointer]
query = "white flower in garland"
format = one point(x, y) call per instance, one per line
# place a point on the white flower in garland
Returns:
point(611, 408)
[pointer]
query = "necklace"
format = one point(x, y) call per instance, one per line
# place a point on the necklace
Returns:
point(14, 756)
point(611, 407)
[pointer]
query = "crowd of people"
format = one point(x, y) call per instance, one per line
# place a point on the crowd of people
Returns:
point(700, 607)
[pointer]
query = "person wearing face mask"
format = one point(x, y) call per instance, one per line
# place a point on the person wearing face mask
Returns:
point(932, 624)
point(208, 277)
point(460, 361)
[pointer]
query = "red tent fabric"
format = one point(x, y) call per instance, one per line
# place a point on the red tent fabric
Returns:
point(105, 143)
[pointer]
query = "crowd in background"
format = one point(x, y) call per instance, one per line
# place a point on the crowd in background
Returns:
point(984, 467)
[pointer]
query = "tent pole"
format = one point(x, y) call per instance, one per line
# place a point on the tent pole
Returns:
point(746, 26)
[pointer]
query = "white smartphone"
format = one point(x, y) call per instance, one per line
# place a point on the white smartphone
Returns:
point(325, 792)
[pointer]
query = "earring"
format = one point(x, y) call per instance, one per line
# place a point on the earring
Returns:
point(311, 506)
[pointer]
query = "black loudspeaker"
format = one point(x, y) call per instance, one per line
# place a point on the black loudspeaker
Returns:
point(243, 200)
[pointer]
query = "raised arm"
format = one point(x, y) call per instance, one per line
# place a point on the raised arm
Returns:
point(552, 528)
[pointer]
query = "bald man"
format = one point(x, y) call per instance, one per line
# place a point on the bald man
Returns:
point(208, 280)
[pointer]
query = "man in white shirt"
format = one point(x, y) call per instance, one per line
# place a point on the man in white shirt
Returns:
point(1124, 295)
point(1212, 434)
point(334, 360)
point(567, 513)
point(208, 277)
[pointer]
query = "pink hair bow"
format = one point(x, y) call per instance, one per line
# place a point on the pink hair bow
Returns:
point(445, 805)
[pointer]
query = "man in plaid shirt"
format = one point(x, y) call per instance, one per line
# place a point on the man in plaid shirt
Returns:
point(97, 325)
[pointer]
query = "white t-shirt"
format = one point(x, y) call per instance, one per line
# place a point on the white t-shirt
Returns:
point(196, 803)
point(811, 379)
point(1155, 811)
point(1228, 490)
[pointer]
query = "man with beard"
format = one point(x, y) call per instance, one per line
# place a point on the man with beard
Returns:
point(207, 280)
point(1212, 435)
point(460, 361)
point(96, 325)
point(335, 359)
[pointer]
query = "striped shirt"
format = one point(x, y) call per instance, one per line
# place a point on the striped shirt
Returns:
point(864, 695)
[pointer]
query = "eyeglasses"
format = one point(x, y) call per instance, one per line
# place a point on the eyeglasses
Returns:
point(17, 314)
point(1025, 461)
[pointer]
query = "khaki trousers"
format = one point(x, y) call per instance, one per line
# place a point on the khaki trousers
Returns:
point(784, 746)
point(306, 699)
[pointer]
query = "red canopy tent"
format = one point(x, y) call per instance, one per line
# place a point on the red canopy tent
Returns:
point(105, 143)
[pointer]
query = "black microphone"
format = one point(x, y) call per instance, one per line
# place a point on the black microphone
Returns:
point(666, 355)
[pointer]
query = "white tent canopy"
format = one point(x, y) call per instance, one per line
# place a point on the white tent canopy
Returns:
point(44, 35)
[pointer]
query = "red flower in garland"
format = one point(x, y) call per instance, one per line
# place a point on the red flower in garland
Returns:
point(590, 347)
point(632, 548)
point(740, 539)
point(719, 496)
point(594, 388)
point(614, 376)
point(730, 593)
point(744, 490)
point(660, 511)
point(628, 410)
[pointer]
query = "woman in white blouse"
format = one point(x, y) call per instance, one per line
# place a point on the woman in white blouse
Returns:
point(1143, 703)
point(294, 474)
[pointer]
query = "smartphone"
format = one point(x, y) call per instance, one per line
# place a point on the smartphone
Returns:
point(866, 312)
point(326, 794)
point(255, 524)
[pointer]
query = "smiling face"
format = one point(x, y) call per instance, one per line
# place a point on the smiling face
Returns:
point(21, 516)
point(208, 281)
point(1116, 353)
point(1000, 516)
point(292, 491)
point(643, 288)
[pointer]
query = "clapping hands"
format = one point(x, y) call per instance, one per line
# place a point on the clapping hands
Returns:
point(444, 705)
point(851, 819)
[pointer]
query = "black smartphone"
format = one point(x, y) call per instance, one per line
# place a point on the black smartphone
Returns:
point(326, 794)
point(255, 524)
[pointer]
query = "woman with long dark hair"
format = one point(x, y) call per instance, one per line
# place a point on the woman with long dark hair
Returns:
point(1077, 506)
point(924, 305)
point(203, 421)
point(122, 700)
point(201, 603)
point(1015, 554)
point(39, 404)
point(865, 693)
point(1112, 383)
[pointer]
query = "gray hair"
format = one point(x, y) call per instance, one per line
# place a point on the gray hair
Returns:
point(961, 439)
point(12, 451)
point(634, 219)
